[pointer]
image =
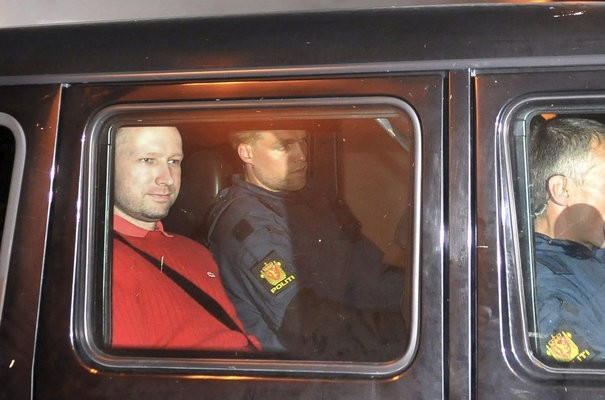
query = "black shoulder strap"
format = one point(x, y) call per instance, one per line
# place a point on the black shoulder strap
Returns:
point(196, 293)
point(225, 200)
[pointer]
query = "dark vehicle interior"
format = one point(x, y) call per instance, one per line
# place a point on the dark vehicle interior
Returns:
point(358, 155)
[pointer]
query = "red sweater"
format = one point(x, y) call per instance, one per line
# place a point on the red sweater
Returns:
point(150, 311)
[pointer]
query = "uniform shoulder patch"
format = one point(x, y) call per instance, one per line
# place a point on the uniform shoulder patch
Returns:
point(564, 347)
point(274, 273)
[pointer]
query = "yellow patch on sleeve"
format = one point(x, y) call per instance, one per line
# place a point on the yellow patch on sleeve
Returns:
point(563, 348)
point(274, 273)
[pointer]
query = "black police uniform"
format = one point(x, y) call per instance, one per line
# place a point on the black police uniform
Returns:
point(570, 297)
point(293, 266)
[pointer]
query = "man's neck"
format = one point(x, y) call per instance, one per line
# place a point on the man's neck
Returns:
point(543, 226)
point(148, 226)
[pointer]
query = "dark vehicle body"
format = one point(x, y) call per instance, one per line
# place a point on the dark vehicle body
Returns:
point(464, 71)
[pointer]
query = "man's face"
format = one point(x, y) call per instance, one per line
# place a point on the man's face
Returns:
point(278, 160)
point(585, 216)
point(147, 173)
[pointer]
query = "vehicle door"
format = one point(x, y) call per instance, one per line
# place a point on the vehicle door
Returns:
point(508, 104)
point(28, 129)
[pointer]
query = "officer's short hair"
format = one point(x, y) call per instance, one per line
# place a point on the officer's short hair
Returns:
point(246, 137)
point(247, 132)
point(561, 146)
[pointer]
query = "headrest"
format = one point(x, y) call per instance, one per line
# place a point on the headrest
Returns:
point(203, 175)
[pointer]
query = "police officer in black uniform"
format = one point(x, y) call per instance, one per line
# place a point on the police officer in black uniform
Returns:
point(568, 189)
point(301, 275)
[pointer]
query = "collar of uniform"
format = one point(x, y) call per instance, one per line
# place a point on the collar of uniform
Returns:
point(572, 249)
point(127, 228)
point(299, 195)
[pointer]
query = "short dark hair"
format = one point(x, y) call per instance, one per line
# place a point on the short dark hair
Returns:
point(560, 146)
point(251, 135)
point(246, 137)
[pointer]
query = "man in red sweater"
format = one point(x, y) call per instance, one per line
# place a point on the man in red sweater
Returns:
point(166, 288)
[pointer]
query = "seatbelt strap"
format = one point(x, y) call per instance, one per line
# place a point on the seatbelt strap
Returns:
point(196, 293)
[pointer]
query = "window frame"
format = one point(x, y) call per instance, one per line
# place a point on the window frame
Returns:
point(514, 130)
point(10, 217)
point(82, 326)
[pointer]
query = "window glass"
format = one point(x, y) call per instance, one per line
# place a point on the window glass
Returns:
point(286, 234)
point(12, 158)
point(558, 154)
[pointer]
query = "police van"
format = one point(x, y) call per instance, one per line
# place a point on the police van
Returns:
point(418, 117)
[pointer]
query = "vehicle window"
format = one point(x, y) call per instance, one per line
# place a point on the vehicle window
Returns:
point(253, 232)
point(12, 156)
point(558, 158)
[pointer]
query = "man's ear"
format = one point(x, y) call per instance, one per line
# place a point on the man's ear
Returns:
point(244, 151)
point(558, 190)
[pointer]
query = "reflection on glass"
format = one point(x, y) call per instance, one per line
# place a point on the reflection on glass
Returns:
point(308, 213)
point(567, 159)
